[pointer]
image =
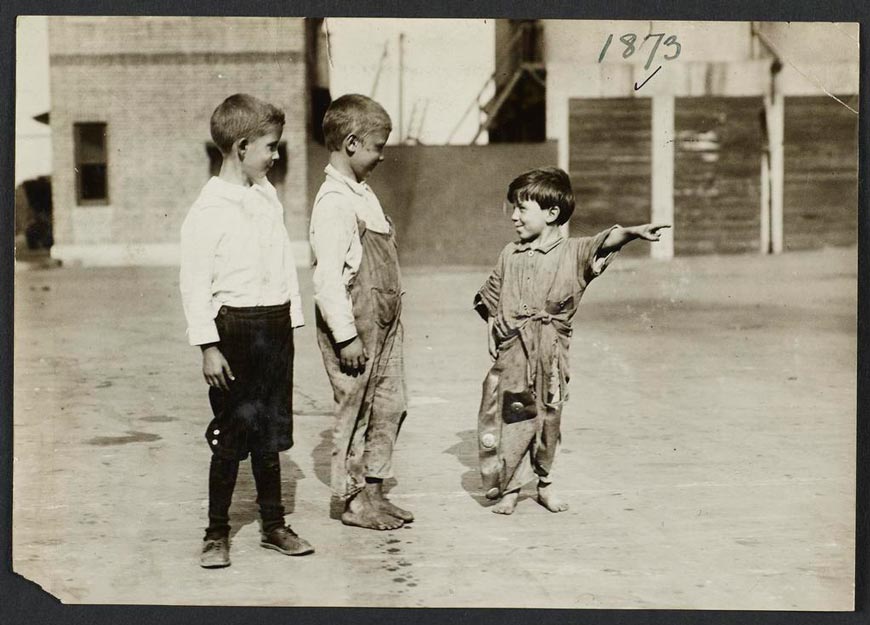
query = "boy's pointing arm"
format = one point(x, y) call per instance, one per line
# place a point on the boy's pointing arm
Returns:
point(619, 236)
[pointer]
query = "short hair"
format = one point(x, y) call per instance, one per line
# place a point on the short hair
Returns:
point(548, 186)
point(242, 116)
point(353, 114)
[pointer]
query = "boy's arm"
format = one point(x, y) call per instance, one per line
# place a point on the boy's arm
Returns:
point(486, 299)
point(297, 318)
point(199, 241)
point(332, 231)
point(619, 236)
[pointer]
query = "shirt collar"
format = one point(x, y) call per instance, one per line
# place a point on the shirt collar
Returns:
point(525, 246)
point(360, 188)
point(218, 187)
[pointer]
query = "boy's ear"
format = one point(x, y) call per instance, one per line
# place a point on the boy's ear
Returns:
point(553, 214)
point(241, 147)
point(351, 143)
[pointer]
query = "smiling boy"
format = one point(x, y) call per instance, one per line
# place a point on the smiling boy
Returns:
point(241, 299)
point(529, 301)
point(358, 292)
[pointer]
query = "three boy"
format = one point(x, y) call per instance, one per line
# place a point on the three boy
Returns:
point(241, 298)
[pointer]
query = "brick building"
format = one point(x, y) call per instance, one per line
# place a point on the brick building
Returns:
point(131, 99)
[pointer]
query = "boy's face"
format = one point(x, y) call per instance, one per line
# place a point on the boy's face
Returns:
point(260, 154)
point(530, 220)
point(369, 152)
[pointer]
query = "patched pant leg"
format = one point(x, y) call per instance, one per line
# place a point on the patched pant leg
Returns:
point(547, 442)
point(388, 408)
point(350, 422)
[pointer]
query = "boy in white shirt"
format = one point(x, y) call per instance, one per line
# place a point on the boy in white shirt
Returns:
point(241, 300)
point(358, 294)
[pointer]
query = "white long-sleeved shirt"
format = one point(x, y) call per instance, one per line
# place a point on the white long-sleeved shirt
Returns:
point(235, 252)
point(337, 248)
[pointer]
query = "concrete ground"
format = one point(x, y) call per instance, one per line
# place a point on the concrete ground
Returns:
point(708, 457)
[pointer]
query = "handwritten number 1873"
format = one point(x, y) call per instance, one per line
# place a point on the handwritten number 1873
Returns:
point(630, 39)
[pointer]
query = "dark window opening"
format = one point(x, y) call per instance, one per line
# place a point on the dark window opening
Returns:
point(91, 163)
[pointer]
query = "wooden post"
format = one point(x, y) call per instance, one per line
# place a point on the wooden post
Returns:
point(776, 131)
point(401, 88)
point(662, 209)
point(764, 216)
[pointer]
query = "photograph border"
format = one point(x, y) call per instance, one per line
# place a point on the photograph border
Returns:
point(22, 601)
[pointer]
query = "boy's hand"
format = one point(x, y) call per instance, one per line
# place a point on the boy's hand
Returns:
point(650, 232)
point(216, 369)
point(352, 356)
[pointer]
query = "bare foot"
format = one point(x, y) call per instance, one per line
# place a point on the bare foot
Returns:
point(380, 502)
point(361, 512)
point(549, 499)
point(508, 503)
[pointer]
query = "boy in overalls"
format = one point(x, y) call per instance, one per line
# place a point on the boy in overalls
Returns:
point(528, 302)
point(357, 291)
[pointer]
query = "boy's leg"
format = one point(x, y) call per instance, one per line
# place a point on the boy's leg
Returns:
point(221, 483)
point(544, 454)
point(352, 411)
point(387, 414)
point(266, 468)
point(222, 476)
point(275, 535)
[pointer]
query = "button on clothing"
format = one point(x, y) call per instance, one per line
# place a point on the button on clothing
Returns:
point(532, 296)
point(256, 414)
point(235, 251)
point(337, 248)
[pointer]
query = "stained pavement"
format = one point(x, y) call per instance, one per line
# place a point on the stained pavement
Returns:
point(708, 453)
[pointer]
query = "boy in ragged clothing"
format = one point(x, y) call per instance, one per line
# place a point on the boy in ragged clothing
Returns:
point(358, 293)
point(528, 302)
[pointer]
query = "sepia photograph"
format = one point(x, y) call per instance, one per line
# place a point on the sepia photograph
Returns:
point(298, 321)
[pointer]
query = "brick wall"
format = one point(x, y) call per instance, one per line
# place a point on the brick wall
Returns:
point(155, 83)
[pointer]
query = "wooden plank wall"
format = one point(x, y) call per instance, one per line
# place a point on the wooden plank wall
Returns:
point(609, 164)
point(821, 172)
point(717, 175)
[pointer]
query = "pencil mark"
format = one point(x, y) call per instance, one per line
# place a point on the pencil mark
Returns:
point(648, 78)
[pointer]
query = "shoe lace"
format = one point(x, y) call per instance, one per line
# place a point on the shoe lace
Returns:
point(287, 530)
point(212, 544)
